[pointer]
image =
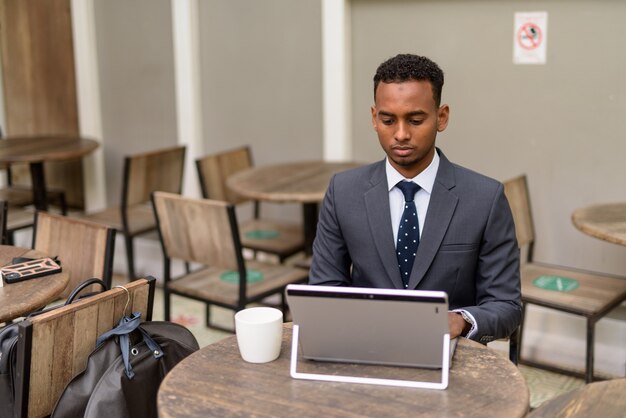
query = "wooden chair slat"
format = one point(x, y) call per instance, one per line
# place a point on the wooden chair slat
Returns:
point(157, 170)
point(215, 169)
point(83, 342)
point(188, 236)
point(84, 248)
point(516, 191)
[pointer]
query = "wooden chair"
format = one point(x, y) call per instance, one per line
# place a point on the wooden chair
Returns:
point(592, 295)
point(84, 248)
point(143, 173)
point(54, 347)
point(206, 232)
point(269, 236)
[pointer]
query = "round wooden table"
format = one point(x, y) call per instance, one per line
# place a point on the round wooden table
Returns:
point(21, 298)
point(606, 222)
point(35, 150)
point(600, 399)
point(301, 182)
point(216, 382)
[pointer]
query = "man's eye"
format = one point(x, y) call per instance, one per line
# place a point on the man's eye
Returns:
point(416, 122)
point(387, 121)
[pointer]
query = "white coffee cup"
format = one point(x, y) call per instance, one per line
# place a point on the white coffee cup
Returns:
point(259, 334)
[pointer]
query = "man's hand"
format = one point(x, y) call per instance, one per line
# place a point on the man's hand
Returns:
point(458, 325)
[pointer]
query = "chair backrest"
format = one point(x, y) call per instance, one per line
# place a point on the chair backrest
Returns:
point(54, 347)
point(516, 191)
point(213, 170)
point(156, 170)
point(198, 230)
point(84, 248)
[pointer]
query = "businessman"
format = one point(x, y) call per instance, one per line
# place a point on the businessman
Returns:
point(417, 221)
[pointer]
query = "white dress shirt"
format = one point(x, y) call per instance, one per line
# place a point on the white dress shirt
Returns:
point(425, 180)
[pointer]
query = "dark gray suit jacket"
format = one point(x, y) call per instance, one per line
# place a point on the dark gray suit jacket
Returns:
point(467, 249)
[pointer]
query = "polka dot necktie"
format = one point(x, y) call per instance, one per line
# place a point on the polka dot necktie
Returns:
point(408, 231)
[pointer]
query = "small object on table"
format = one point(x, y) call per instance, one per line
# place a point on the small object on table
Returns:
point(30, 269)
point(259, 333)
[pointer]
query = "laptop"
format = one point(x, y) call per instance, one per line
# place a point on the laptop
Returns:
point(371, 326)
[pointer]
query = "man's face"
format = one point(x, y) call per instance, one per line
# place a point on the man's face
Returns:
point(407, 120)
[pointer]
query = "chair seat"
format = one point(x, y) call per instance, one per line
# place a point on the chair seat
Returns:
point(19, 195)
point(282, 239)
point(19, 218)
point(209, 284)
point(596, 294)
point(140, 217)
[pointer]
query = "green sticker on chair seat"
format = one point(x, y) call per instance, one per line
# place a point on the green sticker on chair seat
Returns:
point(252, 276)
point(262, 234)
point(556, 283)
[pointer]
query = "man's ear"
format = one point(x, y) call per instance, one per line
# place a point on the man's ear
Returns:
point(443, 115)
point(374, 124)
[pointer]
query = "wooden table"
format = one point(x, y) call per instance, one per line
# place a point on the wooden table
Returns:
point(600, 399)
point(606, 222)
point(21, 298)
point(35, 150)
point(216, 382)
point(301, 182)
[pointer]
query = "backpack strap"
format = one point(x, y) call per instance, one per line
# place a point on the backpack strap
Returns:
point(123, 330)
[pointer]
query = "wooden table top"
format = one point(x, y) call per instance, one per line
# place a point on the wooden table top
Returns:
point(28, 149)
point(304, 182)
point(599, 399)
point(216, 382)
point(21, 298)
point(607, 221)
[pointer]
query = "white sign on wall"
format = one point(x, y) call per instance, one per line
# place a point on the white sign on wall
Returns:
point(530, 36)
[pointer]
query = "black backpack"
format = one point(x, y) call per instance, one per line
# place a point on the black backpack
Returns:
point(125, 370)
point(8, 342)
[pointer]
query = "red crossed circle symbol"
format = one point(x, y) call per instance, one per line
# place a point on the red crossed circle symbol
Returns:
point(529, 36)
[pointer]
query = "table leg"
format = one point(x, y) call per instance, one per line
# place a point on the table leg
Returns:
point(37, 178)
point(310, 213)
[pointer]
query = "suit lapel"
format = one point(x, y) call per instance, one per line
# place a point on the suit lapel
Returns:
point(440, 211)
point(377, 211)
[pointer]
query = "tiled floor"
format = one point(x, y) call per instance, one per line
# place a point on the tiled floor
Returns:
point(543, 385)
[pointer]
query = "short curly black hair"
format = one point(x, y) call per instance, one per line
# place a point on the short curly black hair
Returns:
point(405, 67)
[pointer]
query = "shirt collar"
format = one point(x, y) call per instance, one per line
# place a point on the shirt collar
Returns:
point(425, 179)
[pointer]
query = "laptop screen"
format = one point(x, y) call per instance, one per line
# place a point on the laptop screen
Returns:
point(365, 325)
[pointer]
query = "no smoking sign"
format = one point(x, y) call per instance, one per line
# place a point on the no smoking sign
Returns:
point(529, 38)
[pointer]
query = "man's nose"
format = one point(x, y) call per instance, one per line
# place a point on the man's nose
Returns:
point(402, 133)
